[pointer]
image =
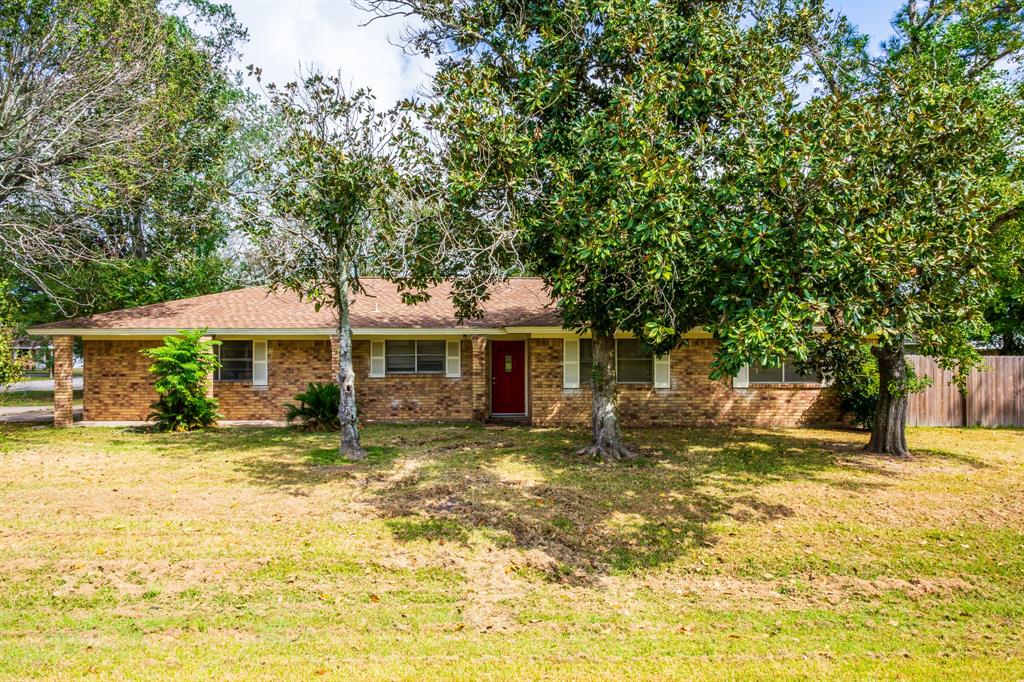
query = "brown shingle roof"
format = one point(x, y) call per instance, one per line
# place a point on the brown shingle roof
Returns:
point(519, 302)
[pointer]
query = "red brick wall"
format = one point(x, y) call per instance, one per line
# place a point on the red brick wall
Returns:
point(118, 387)
point(692, 400)
point(116, 379)
point(290, 366)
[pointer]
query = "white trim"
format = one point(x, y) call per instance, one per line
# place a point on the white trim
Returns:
point(260, 363)
point(453, 359)
point(377, 363)
point(94, 332)
point(426, 331)
point(571, 363)
point(662, 371)
point(563, 333)
point(742, 378)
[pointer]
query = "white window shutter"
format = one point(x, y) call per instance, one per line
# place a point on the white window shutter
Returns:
point(742, 378)
point(571, 363)
point(260, 363)
point(662, 375)
point(453, 359)
point(376, 359)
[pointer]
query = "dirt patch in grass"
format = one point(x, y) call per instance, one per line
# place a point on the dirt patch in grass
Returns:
point(479, 552)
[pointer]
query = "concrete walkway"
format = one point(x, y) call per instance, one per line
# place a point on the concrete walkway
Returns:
point(38, 414)
point(43, 385)
point(44, 415)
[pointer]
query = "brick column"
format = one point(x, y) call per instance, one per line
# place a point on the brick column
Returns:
point(481, 378)
point(209, 375)
point(63, 391)
point(336, 356)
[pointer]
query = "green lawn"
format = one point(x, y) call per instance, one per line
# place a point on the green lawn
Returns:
point(464, 552)
point(32, 398)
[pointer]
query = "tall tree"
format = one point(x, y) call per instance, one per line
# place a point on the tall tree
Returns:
point(1005, 314)
point(323, 204)
point(878, 207)
point(597, 130)
point(117, 134)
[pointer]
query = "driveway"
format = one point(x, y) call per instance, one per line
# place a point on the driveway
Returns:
point(39, 414)
point(43, 384)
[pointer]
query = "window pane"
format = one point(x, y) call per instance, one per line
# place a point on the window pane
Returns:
point(235, 361)
point(430, 356)
point(632, 371)
point(400, 356)
point(586, 361)
point(236, 349)
point(430, 347)
point(765, 374)
point(635, 365)
point(795, 376)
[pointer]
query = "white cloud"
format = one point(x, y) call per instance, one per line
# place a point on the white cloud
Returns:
point(329, 35)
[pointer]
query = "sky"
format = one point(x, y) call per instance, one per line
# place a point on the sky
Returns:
point(332, 35)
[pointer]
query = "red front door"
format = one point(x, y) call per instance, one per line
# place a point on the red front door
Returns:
point(508, 377)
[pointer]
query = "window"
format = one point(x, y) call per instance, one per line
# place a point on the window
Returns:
point(634, 364)
point(235, 361)
point(786, 373)
point(414, 357)
point(586, 361)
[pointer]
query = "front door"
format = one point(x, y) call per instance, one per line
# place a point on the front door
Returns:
point(508, 377)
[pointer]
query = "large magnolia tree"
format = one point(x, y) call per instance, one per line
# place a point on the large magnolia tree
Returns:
point(598, 130)
point(879, 209)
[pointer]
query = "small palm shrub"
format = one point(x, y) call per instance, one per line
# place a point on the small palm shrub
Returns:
point(182, 366)
point(318, 407)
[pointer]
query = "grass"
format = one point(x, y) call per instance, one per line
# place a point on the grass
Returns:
point(465, 552)
point(32, 398)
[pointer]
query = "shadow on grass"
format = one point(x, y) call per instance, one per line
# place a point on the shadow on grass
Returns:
point(522, 488)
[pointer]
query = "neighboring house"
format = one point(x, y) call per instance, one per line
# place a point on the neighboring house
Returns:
point(32, 356)
point(419, 363)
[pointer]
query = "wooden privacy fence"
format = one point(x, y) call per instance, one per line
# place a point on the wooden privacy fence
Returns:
point(994, 397)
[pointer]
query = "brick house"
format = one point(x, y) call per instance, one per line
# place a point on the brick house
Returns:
point(420, 363)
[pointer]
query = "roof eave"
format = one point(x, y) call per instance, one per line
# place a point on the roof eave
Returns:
point(261, 331)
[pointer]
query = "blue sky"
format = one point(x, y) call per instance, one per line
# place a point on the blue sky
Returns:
point(870, 16)
point(330, 35)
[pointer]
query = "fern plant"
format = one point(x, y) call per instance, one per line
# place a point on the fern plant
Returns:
point(182, 366)
point(318, 407)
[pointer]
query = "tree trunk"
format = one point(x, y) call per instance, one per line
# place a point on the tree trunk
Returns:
point(607, 441)
point(347, 417)
point(889, 431)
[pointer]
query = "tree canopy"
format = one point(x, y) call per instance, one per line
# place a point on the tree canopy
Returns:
point(602, 131)
point(118, 152)
point(879, 208)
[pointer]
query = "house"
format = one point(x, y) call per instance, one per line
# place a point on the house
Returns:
point(420, 363)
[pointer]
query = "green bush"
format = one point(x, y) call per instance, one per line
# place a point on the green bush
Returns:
point(182, 367)
point(10, 369)
point(318, 407)
point(856, 380)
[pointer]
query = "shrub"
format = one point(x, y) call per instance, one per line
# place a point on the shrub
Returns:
point(182, 367)
point(856, 380)
point(318, 407)
point(10, 369)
